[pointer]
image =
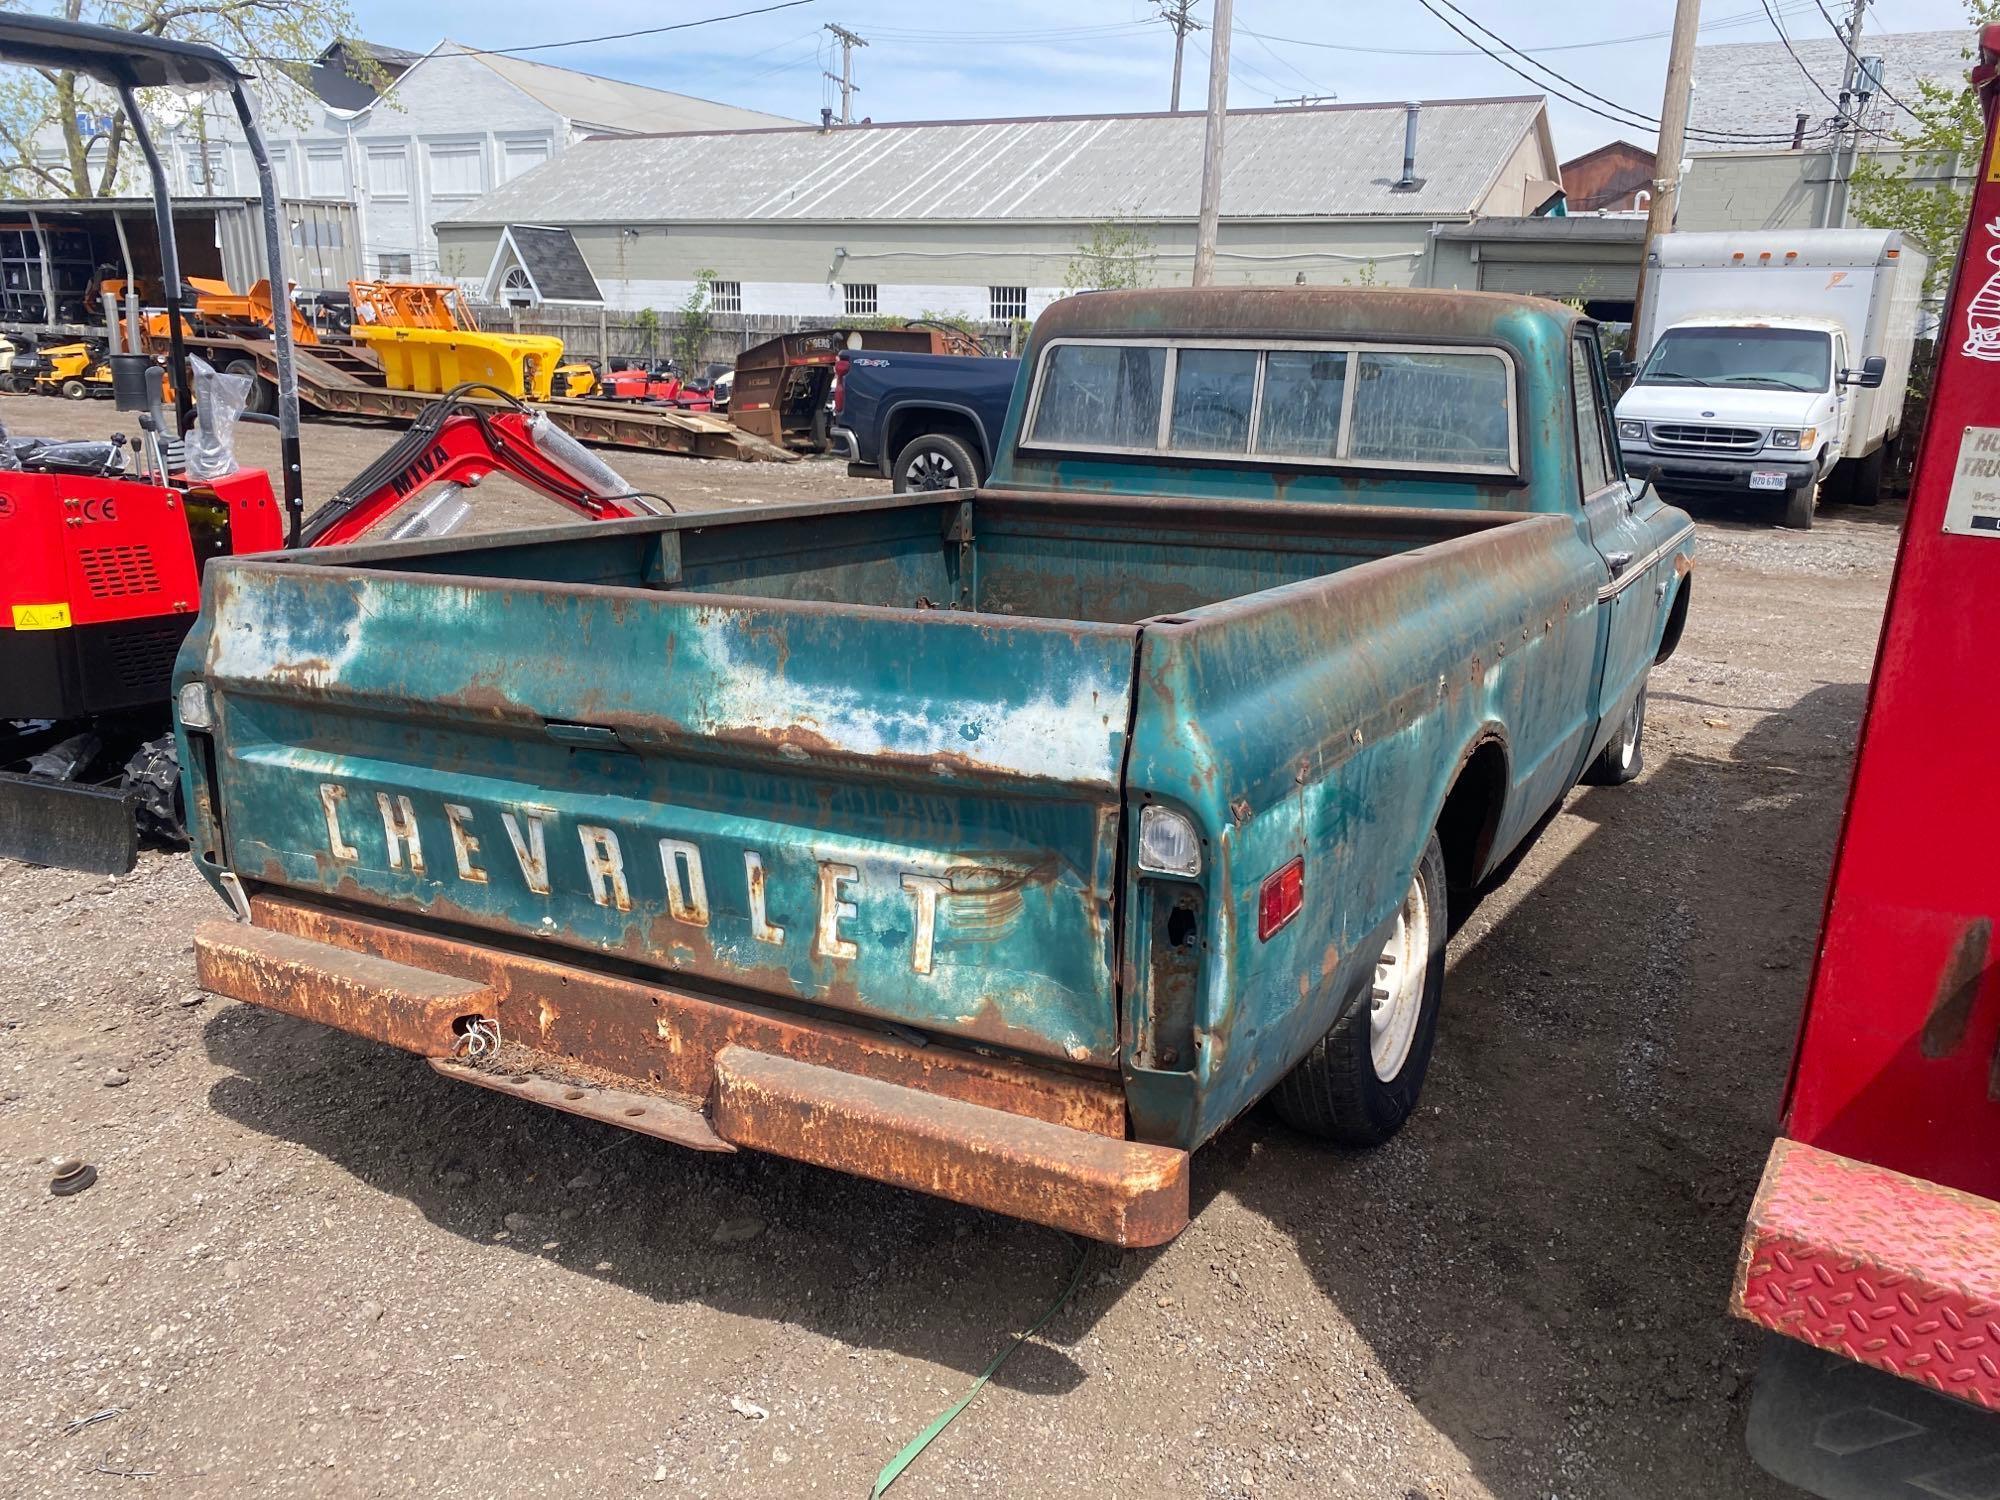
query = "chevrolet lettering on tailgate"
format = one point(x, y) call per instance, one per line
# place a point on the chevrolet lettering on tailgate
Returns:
point(682, 870)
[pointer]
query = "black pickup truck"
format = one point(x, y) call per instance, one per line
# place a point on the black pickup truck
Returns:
point(927, 421)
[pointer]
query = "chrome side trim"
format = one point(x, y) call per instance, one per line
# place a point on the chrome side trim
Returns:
point(1643, 565)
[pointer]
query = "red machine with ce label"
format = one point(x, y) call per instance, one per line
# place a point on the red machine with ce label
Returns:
point(1873, 1245)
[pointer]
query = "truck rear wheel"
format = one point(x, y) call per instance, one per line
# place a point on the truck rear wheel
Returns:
point(1799, 506)
point(1360, 1081)
point(1866, 486)
point(935, 462)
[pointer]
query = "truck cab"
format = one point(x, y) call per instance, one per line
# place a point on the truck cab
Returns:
point(1727, 406)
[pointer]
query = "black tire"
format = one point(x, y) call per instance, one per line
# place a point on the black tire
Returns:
point(153, 776)
point(1335, 1091)
point(263, 395)
point(1866, 488)
point(76, 390)
point(1625, 757)
point(935, 462)
point(1799, 506)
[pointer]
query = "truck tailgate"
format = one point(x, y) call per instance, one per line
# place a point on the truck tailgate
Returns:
point(909, 815)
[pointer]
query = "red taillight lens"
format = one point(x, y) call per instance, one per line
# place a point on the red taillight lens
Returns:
point(1284, 892)
point(840, 368)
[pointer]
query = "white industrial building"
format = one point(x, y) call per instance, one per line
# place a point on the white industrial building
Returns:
point(453, 124)
point(984, 218)
point(1780, 168)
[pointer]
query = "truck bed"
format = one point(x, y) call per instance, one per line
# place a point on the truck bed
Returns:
point(870, 756)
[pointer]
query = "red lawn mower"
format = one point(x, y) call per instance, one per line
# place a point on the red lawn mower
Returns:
point(104, 542)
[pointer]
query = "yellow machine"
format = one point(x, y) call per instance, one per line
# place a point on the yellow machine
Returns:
point(427, 339)
point(77, 371)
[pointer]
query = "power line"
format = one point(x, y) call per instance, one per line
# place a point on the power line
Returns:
point(619, 36)
point(1741, 18)
point(1779, 27)
point(1881, 83)
point(1639, 119)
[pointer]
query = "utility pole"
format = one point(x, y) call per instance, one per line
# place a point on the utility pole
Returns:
point(848, 42)
point(1847, 126)
point(1302, 100)
point(1667, 157)
point(1211, 150)
point(1178, 14)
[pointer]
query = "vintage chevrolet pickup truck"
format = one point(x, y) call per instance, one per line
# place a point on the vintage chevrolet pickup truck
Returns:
point(1003, 844)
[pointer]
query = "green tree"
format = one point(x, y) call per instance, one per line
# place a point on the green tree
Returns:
point(695, 320)
point(43, 108)
point(1118, 256)
point(1913, 189)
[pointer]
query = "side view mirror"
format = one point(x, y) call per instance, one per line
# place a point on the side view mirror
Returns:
point(1869, 376)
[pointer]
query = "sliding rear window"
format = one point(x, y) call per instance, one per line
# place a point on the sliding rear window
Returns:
point(1362, 405)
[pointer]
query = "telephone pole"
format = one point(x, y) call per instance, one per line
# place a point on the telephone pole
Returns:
point(1211, 151)
point(1302, 100)
point(1667, 158)
point(1847, 127)
point(1179, 15)
point(848, 42)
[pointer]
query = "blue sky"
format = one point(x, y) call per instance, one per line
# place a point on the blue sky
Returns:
point(937, 59)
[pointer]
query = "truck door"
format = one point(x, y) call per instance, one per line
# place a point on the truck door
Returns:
point(1628, 532)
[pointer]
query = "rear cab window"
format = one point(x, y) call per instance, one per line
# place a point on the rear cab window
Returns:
point(1439, 409)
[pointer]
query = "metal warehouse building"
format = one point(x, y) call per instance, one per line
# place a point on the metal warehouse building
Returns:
point(983, 218)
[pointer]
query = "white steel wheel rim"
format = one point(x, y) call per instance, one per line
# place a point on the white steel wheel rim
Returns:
point(1397, 999)
point(1628, 744)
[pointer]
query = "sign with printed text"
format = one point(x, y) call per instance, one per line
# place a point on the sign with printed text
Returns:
point(1973, 507)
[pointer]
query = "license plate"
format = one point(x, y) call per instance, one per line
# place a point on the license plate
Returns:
point(1761, 479)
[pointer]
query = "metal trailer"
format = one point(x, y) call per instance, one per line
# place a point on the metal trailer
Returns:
point(1872, 1252)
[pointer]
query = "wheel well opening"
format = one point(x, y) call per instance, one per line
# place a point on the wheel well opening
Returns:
point(1677, 619)
point(1471, 814)
point(907, 426)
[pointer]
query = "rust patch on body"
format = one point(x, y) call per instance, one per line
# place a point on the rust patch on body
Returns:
point(1957, 988)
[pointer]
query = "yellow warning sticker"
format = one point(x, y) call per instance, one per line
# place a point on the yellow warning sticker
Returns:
point(41, 617)
point(1993, 163)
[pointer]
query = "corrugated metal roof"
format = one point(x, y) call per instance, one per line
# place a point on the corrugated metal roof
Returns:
point(1754, 88)
point(1282, 163)
point(606, 104)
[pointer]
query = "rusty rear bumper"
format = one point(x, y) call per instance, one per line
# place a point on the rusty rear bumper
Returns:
point(1032, 1142)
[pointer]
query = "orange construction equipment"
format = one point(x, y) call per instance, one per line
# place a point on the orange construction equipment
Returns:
point(411, 304)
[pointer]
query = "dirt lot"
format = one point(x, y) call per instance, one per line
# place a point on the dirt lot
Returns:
point(310, 1266)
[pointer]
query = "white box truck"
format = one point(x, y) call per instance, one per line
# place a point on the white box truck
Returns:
point(1774, 361)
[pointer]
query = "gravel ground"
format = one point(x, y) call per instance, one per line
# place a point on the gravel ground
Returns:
point(310, 1266)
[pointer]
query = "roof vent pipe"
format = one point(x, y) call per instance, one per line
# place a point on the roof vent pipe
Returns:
point(1799, 132)
point(1408, 181)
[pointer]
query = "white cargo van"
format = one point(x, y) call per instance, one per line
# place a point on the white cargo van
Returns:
point(1776, 361)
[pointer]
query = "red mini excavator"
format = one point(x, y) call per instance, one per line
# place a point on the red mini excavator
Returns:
point(102, 544)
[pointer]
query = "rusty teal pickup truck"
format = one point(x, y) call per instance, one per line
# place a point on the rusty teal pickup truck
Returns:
point(1003, 844)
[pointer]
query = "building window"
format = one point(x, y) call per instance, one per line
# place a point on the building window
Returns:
point(393, 265)
point(326, 173)
point(1008, 302)
point(208, 169)
point(517, 157)
point(861, 301)
point(457, 170)
point(725, 296)
point(388, 172)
